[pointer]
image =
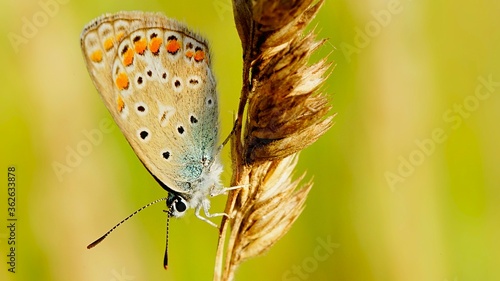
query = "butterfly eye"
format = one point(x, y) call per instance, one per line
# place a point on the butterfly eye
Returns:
point(179, 206)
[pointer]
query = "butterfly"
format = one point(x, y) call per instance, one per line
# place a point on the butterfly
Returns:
point(154, 75)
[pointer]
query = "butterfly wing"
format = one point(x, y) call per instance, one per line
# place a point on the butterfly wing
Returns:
point(155, 78)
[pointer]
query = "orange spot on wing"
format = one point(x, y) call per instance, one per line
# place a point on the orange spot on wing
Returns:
point(173, 46)
point(108, 44)
point(128, 57)
point(189, 54)
point(119, 36)
point(154, 45)
point(140, 46)
point(120, 104)
point(96, 56)
point(122, 81)
point(199, 55)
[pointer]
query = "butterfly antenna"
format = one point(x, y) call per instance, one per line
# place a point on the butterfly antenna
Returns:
point(165, 258)
point(93, 244)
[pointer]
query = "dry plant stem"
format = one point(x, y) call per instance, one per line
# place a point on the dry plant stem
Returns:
point(236, 181)
point(284, 114)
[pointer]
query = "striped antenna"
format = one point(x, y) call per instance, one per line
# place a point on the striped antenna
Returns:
point(165, 258)
point(93, 244)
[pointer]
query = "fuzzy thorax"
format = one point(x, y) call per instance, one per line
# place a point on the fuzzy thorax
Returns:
point(208, 184)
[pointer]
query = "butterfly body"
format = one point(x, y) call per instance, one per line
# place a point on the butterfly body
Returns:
point(154, 76)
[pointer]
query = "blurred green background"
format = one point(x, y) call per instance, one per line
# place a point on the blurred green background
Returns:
point(407, 182)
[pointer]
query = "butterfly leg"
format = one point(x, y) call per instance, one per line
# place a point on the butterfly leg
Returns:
point(218, 191)
point(206, 206)
point(227, 138)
